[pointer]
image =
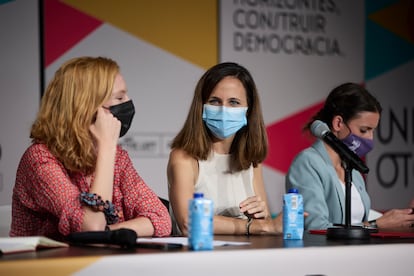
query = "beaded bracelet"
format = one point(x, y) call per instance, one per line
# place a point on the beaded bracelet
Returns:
point(95, 202)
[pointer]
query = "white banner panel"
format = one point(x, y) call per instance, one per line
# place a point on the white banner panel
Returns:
point(19, 78)
point(161, 87)
point(391, 179)
point(297, 51)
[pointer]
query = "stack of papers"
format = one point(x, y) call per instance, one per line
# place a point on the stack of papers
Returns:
point(10, 245)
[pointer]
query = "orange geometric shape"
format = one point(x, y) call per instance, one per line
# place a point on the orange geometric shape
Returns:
point(186, 28)
point(397, 18)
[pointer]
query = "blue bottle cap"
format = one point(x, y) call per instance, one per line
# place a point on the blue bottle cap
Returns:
point(293, 191)
point(198, 195)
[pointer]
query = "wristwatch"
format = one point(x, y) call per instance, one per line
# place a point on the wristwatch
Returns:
point(373, 224)
point(249, 221)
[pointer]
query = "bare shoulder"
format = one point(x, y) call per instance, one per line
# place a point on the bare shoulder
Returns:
point(180, 160)
point(182, 168)
point(180, 156)
point(257, 171)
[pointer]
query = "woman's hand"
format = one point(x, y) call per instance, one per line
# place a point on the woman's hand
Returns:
point(278, 224)
point(106, 128)
point(267, 226)
point(254, 207)
point(399, 219)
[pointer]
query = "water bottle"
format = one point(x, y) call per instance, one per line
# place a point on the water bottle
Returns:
point(293, 215)
point(200, 223)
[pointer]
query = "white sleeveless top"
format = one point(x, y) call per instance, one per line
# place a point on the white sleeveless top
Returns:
point(226, 189)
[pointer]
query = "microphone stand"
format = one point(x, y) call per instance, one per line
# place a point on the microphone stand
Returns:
point(347, 231)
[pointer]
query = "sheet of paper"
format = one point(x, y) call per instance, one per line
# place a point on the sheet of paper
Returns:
point(184, 241)
point(22, 244)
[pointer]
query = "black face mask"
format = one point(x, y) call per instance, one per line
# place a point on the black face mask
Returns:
point(124, 112)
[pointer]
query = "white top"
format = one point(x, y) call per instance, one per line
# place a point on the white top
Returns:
point(225, 189)
point(357, 208)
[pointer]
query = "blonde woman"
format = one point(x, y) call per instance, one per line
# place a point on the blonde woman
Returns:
point(74, 177)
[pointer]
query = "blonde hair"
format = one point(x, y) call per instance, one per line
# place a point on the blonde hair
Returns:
point(69, 107)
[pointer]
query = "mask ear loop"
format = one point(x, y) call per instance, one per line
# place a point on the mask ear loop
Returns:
point(350, 131)
point(341, 121)
point(94, 116)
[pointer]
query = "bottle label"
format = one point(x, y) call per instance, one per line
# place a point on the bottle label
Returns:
point(200, 224)
point(293, 224)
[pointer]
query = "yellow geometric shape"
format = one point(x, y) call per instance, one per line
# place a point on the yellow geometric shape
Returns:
point(186, 28)
point(50, 266)
point(397, 19)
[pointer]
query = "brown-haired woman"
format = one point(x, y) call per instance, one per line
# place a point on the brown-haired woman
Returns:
point(219, 152)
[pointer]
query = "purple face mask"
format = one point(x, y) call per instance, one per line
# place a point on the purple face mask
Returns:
point(361, 146)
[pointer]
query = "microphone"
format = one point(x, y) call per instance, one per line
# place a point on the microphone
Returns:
point(122, 237)
point(322, 131)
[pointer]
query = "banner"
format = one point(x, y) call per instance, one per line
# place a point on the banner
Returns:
point(19, 78)
point(297, 51)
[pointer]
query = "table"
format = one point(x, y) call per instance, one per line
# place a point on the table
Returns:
point(265, 255)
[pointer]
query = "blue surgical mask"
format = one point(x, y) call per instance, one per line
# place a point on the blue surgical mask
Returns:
point(224, 121)
point(361, 146)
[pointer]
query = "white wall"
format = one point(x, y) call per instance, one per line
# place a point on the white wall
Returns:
point(19, 84)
